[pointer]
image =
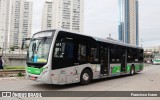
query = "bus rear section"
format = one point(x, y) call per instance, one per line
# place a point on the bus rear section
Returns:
point(66, 57)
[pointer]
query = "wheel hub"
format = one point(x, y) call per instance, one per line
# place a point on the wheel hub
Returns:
point(85, 76)
point(132, 71)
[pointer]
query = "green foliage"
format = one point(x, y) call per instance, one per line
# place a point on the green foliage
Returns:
point(12, 48)
point(14, 68)
point(16, 47)
point(20, 75)
point(26, 47)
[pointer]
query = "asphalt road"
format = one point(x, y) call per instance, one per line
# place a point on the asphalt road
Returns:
point(147, 80)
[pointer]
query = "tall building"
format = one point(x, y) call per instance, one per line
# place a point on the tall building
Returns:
point(128, 22)
point(20, 22)
point(63, 14)
point(4, 22)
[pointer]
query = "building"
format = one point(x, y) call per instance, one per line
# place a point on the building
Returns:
point(63, 14)
point(20, 22)
point(128, 22)
point(155, 48)
point(150, 51)
point(4, 22)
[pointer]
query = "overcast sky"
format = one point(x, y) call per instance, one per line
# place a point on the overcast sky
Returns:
point(101, 19)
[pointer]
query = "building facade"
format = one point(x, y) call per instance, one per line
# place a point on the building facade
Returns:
point(20, 22)
point(63, 14)
point(155, 48)
point(129, 22)
point(4, 22)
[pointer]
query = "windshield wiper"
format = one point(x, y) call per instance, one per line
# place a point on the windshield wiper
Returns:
point(42, 41)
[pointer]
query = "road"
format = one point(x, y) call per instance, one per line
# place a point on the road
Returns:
point(148, 80)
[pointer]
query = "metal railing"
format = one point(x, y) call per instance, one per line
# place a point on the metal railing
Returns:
point(8, 73)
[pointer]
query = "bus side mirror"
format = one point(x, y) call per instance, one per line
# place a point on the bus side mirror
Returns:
point(23, 41)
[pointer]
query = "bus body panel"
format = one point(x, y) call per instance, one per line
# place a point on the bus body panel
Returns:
point(72, 74)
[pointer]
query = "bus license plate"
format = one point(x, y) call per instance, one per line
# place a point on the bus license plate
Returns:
point(32, 78)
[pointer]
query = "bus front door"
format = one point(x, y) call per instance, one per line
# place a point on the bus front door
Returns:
point(104, 60)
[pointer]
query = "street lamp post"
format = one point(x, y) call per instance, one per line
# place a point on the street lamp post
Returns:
point(19, 48)
point(141, 43)
point(2, 44)
point(2, 48)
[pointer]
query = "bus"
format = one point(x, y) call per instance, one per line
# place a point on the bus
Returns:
point(61, 57)
point(156, 59)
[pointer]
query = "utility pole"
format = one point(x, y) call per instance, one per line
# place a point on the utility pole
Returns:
point(2, 38)
point(3, 49)
point(141, 42)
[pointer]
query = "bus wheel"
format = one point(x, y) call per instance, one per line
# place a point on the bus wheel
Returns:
point(132, 71)
point(86, 77)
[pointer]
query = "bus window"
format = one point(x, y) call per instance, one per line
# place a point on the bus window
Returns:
point(136, 55)
point(82, 53)
point(141, 55)
point(130, 57)
point(63, 50)
point(68, 53)
point(94, 54)
point(58, 50)
point(114, 55)
point(93, 57)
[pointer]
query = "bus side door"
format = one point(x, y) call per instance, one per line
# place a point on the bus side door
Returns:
point(104, 59)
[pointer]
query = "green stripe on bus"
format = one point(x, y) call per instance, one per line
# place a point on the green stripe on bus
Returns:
point(116, 69)
point(156, 60)
point(128, 68)
point(35, 71)
point(139, 67)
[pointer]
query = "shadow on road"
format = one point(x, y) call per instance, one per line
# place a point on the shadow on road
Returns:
point(51, 87)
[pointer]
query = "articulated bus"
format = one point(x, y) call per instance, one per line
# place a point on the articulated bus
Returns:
point(62, 57)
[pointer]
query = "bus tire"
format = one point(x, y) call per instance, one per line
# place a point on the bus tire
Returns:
point(86, 77)
point(132, 71)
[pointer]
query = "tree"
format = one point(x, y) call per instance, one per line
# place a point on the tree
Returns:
point(16, 47)
point(12, 48)
point(26, 46)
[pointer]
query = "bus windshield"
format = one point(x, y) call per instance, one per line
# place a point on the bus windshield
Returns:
point(39, 47)
point(157, 57)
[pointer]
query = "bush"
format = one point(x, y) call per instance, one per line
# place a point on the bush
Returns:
point(14, 68)
point(20, 75)
point(12, 48)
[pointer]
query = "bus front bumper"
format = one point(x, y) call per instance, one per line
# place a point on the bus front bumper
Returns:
point(39, 78)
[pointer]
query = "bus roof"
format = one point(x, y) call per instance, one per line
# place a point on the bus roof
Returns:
point(107, 40)
point(110, 40)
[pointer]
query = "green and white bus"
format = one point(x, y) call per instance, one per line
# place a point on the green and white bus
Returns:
point(156, 59)
point(62, 57)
